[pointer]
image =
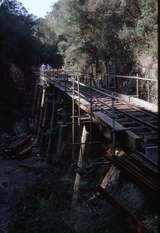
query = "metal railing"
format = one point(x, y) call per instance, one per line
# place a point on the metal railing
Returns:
point(147, 80)
point(60, 75)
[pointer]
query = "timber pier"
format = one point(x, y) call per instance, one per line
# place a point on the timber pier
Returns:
point(74, 121)
point(130, 130)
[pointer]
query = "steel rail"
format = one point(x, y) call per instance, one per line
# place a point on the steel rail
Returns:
point(129, 115)
point(133, 77)
point(134, 107)
point(95, 100)
point(108, 112)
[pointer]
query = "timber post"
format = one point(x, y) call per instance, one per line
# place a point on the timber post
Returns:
point(43, 126)
point(37, 108)
point(51, 126)
point(41, 112)
point(79, 165)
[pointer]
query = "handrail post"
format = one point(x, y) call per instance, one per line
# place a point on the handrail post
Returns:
point(73, 115)
point(65, 81)
point(137, 90)
point(113, 123)
point(113, 115)
point(148, 91)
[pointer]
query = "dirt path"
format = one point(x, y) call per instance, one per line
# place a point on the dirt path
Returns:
point(13, 178)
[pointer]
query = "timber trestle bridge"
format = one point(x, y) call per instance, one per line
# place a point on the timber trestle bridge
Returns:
point(70, 116)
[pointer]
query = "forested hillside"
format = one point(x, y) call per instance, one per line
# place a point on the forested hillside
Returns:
point(117, 33)
point(23, 47)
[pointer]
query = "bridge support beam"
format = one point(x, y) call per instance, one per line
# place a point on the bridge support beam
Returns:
point(37, 109)
point(43, 125)
point(51, 137)
point(42, 108)
point(79, 166)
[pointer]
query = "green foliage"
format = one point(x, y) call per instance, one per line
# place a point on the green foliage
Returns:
point(101, 32)
point(18, 47)
point(14, 40)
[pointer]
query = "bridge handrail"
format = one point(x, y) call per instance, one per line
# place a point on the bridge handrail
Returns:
point(70, 72)
point(133, 77)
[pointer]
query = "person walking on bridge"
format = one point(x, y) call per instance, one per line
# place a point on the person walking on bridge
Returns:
point(42, 69)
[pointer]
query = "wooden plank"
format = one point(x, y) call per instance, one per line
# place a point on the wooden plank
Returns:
point(26, 150)
point(79, 165)
point(108, 121)
point(133, 140)
point(111, 176)
point(49, 155)
point(60, 142)
point(20, 142)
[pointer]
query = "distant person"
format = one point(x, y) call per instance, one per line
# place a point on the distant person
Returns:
point(48, 67)
point(42, 68)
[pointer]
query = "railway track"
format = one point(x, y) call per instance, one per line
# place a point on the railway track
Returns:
point(126, 114)
point(141, 122)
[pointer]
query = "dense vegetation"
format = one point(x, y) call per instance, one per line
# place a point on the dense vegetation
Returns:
point(105, 33)
point(23, 47)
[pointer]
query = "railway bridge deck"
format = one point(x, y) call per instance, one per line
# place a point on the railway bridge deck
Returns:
point(131, 130)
